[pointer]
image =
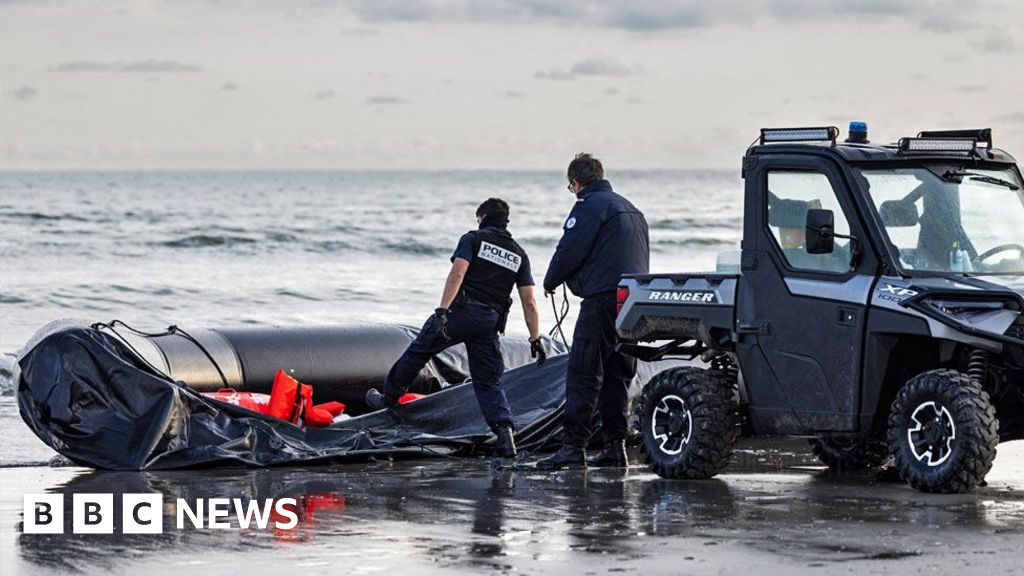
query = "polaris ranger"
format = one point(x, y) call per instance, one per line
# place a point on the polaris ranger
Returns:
point(875, 307)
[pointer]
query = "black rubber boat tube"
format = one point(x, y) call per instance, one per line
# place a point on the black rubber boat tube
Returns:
point(340, 362)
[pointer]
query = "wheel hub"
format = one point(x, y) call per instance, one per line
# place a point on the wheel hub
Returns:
point(679, 423)
point(931, 433)
point(671, 424)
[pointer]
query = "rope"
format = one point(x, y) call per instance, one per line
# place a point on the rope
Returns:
point(175, 330)
point(560, 317)
point(128, 344)
point(171, 330)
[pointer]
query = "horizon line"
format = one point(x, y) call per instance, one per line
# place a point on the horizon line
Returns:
point(327, 170)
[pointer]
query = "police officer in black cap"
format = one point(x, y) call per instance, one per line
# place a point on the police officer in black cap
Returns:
point(604, 237)
point(474, 307)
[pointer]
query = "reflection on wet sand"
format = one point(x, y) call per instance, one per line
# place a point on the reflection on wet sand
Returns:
point(459, 514)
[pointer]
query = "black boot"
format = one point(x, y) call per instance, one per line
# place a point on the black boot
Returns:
point(379, 401)
point(505, 447)
point(566, 457)
point(613, 455)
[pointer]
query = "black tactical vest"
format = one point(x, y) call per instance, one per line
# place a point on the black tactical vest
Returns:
point(497, 260)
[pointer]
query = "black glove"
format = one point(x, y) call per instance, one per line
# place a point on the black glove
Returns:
point(441, 315)
point(537, 351)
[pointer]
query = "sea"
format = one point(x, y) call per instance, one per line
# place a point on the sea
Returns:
point(222, 249)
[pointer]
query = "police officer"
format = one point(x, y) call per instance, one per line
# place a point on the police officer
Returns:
point(604, 237)
point(475, 304)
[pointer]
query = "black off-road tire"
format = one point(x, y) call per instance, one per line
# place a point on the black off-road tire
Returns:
point(851, 454)
point(708, 404)
point(955, 425)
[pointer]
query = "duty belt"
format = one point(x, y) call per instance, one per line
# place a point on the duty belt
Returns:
point(464, 298)
point(467, 299)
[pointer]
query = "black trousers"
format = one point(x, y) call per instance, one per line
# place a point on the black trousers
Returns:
point(598, 378)
point(476, 326)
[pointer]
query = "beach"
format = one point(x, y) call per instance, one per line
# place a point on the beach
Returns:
point(264, 249)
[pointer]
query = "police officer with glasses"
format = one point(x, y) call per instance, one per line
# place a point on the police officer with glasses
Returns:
point(604, 237)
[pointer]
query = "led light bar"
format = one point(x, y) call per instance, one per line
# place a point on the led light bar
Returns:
point(827, 134)
point(965, 146)
point(980, 134)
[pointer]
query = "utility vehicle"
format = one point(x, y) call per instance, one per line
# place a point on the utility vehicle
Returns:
point(875, 307)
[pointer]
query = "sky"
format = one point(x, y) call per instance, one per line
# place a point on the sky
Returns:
point(501, 84)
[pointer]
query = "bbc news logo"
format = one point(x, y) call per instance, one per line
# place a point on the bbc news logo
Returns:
point(144, 514)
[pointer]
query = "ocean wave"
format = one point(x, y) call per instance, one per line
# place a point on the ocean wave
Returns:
point(414, 247)
point(346, 228)
point(293, 294)
point(551, 240)
point(40, 216)
point(10, 299)
point(695, 241)
point(7, 365)
point(27, 464)
point(229, 239)
point(147, 216)
point(282, 237)
point(329, 246)
point(207, 241)
point(696, 223)
point(118, 288)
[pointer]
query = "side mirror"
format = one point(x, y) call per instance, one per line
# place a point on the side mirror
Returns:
point(899, 214)
point(820, 238)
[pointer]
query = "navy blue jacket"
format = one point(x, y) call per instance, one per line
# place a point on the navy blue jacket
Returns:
point(604, 237)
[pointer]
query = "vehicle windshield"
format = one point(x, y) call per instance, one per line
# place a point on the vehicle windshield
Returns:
point(946, 219)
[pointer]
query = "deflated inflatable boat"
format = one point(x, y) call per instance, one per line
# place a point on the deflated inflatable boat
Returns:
point(109, 397)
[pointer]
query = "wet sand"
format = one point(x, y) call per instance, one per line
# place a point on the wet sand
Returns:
point(775, 512)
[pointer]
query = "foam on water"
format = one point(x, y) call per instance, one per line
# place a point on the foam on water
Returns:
point(8, 364)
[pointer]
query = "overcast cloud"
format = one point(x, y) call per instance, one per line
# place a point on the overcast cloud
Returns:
point(593, 66)
point(139, 66)
point(648, 14)
point(487, 84)
point(384, 100)
point(26, 93)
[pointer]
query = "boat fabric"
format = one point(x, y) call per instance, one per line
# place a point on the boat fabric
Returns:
point(90, 398)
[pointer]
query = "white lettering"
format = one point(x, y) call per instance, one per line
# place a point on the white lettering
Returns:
point(218, 510)
point(281, 507)
point(141, 514)
point(500, 256)
point(184, 510)
point(92, 514)
point(678, 296)
point(252, 511)
point(144, 513)
point(43, 513)
point(899, 290)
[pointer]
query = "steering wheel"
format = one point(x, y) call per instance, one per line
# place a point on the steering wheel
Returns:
point(1001, 248)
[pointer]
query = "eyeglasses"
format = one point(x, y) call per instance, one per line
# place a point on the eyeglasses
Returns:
point(569, 187)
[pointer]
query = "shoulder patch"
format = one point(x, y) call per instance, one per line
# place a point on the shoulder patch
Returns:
point(570, 222)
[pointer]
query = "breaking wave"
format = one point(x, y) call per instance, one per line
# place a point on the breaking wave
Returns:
point(207, 241)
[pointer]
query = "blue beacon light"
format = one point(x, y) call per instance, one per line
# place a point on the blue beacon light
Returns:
point(858, 133)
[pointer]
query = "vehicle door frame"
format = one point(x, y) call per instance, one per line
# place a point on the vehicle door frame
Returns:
point(847, 291)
